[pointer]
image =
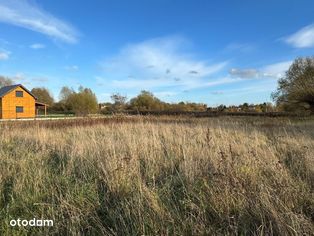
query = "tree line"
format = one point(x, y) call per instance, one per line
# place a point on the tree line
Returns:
point(147, 101)
point(295, 93)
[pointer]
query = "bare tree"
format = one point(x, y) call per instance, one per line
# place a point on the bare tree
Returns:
point(5, 81)
point(43, 95)
point(119, 101)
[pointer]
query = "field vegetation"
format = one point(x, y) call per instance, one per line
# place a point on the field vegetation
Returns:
point(159, 176)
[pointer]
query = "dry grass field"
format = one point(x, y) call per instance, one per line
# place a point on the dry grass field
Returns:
point(159, 176)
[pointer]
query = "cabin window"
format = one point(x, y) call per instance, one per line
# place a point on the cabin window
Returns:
point(19, 109)
point(19, 94)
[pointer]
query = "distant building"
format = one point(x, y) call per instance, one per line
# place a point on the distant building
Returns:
point(18, 102)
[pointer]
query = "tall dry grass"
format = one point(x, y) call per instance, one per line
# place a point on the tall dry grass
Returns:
point(159, 176)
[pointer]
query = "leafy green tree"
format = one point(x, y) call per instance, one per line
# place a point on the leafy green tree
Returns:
point(146, 101)
point(60, 107)
point(43, 95)
point(295, 90)
point(221, 108)
point(266, 107)
point(83, 102)
point(244, 107)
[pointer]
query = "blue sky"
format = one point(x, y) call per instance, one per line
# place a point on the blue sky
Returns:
point(204, 51)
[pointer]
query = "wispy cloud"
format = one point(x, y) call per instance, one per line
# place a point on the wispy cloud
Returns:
point(159, 63)
point(19, 76)
point(276, 71)
point(37, 46)
point(240, 47)
point(26, 78)
point(304, 38)
point(244, 73)
point(4, 55)
point(263, 87)
point(165, 94)
point(24, 14)
point(72, 68)
point(217, 92)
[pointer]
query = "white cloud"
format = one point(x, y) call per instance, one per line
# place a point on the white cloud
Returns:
point(276, 71)
point(217, 92)
point(37, 46)
point(4, 55)
point(24, 14)
point(262, 87)
point(19, 76)
point(72, 68)
point(304, 38)
point(244, 73)
point(158, 63)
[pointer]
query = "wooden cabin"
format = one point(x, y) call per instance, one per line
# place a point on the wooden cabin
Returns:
point(17, 102)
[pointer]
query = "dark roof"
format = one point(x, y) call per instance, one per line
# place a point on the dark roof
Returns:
point(6, 89)
point(41, 104)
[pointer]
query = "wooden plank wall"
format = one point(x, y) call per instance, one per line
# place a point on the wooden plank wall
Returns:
point(0, 108)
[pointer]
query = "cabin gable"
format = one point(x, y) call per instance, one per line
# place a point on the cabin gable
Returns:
point(17, 103)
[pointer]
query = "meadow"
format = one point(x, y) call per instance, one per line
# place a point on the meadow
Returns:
point(159, 176)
